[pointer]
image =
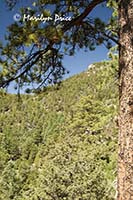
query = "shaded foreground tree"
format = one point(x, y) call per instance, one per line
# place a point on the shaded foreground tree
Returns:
point(34, 51)
point(125, 166)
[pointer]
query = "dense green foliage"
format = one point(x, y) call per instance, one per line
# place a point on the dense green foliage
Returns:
point(61, 143)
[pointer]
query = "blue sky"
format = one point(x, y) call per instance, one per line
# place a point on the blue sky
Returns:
point(75, 64)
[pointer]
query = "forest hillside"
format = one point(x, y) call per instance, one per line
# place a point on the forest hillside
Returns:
point(61, 143)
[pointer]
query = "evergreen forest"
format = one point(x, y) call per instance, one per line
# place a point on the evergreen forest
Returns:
point(60, 143)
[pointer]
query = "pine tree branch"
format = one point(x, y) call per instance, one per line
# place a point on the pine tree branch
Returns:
point(36, 56)
point(111, 38)
point(26, 65)
point(105, 35)
point(82, 16)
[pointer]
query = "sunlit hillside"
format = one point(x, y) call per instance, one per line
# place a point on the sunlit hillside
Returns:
point(61, 144)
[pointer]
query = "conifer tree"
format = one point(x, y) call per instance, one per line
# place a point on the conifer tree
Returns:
point(125, 166)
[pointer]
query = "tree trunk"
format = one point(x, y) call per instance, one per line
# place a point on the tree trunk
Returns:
point(125, 157)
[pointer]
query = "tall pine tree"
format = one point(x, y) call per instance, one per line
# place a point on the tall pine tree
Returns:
point(125, 164)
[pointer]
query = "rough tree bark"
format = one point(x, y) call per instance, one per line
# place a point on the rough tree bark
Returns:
point(125, 158)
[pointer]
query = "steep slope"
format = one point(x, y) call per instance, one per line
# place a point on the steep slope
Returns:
point(61, 143)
